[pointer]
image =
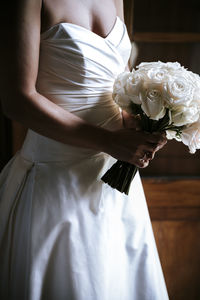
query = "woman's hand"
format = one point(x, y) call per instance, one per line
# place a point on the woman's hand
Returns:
point(133, 145)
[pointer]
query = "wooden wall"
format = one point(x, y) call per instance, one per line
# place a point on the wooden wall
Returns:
point(174, 207)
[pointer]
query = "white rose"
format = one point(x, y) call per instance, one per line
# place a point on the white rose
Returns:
point(145, 66)
point(173, 66)
point(152, 99)
point(183, 115)
point(123, 101)
point(191, 136)
point(157, 75)
point(195, 79)
point(169, 66)
point(125, 90)
point(120, 82)
point(133, 86)
point(179, 90)
point(119, 94)
point(196, 96)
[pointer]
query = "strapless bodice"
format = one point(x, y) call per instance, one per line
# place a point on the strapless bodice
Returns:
point(77, 69)
point(76, 61)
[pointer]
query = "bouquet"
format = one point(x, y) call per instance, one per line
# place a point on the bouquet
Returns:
point(166, 97)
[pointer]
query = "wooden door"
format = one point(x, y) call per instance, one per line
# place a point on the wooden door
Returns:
point(170, 31)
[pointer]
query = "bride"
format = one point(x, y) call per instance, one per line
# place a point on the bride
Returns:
point(64, 234)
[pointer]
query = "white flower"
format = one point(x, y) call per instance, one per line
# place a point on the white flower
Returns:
point(171, 134)
point(179, 90)
point(173, 66)
point(125, 90)
point(150, 65)
point(195, 81)
point(195, 78)
point(123, 101)
point(133, 86)
point(157, 75)
point(196, 96)
point(119, 94)
point(152, 99)
point(120, 82)
point(169, 66)
point(191, 136)
point(183, 115)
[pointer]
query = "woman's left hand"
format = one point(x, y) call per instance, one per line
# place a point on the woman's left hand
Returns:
point(134, 122)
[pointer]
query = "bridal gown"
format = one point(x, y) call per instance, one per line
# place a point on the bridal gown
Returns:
point(64, 234)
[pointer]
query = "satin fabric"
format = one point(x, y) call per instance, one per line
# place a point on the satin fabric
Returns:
point(64, 234)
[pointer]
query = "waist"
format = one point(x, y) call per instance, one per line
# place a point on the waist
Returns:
point(99, 111)
point(41, 149)
point(77, 100)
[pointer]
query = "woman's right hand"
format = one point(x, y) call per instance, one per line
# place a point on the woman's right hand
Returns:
point(136, 147)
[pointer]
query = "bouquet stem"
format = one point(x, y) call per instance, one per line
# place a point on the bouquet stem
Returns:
point(120, 175)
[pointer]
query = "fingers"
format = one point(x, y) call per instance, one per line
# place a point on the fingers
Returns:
point(149, 149)
point(156, 138)
point(150, 155)
point(141, 163)
point(162, 140)
point(146, 154)
point(136, 147)
point(153, 147)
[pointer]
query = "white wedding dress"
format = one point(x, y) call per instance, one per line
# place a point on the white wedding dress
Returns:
point(64, 234)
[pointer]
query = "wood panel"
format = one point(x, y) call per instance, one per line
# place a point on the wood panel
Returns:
point(166, 16)
point(179, 247)
point(174, 207)
point(173, 199)
point(166, 37)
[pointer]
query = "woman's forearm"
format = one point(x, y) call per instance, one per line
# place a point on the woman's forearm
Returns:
point(45, 117)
